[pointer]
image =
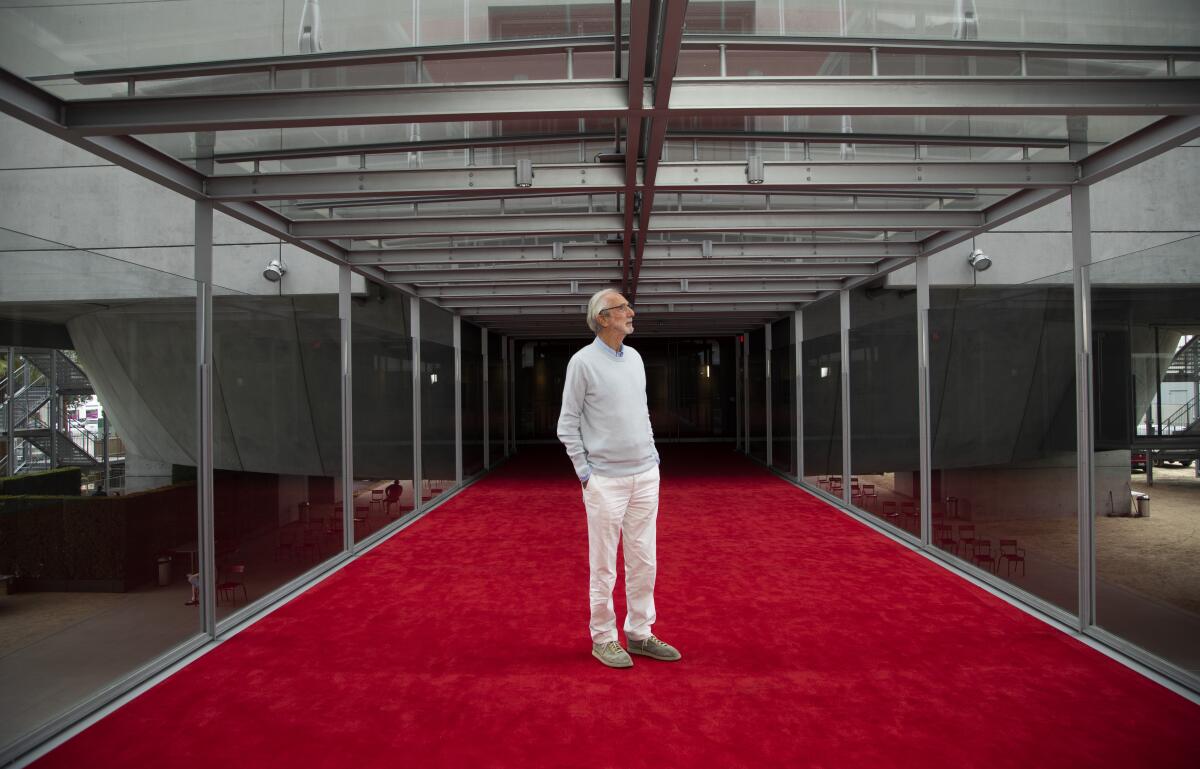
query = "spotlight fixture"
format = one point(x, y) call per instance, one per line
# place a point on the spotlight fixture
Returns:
point(754, 169)
point(275, 270)
point(524, 173)
point(979, 261)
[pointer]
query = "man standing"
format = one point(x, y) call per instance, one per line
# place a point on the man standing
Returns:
point(605, 426)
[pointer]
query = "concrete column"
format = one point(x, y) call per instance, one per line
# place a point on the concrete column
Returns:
point(925, 445)
point(414, 308)
point(347, 373)
point(847, 470)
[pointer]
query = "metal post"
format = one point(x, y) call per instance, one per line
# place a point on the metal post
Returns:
point(512, 395)
point(1081, 249)
point(767, 368)
point(504, 359)
point(798, 390)
point(458, 426)
point(924, 443)
point(414, 312)
point(10, 417)
point(347, 358)
point(746, 389)
point(203, 272)
point(844, 299)
point(738, 395)
point(487, 418)
point(104, 483)
point(55, 409)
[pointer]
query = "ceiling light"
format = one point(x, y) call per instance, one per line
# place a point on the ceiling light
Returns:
point(524, 173)
point(275, 270)
point(979, 261)
point(754, 169)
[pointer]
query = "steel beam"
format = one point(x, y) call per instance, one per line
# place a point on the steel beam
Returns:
point(796, 177)
point(1138, 147)
point(459, 226)
point(584, 273)
point(743, 96)
point(581, 179)
point(786, 221)
point(650, 289)
point(579, 301)
point(349, 106)
point(648, 310)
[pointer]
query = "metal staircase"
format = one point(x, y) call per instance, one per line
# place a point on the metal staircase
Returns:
point(34, 442)
point(1184, 367)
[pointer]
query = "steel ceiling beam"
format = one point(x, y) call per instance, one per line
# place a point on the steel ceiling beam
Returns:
point(585, 288)
point(586, 273)
point(657, 300)
point(647, 311)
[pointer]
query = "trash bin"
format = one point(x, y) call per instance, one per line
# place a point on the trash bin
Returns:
point(1141, 505)
point(164, 570)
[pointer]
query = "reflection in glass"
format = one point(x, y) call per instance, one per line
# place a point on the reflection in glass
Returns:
point(88, 562)
point(884, 427)
point(822, 356)
point(383, 427)
point(757, 396)
point(1002, 422)
point(472, 399)
point(276, 441)
point(783, 383)
point(496, 408)
point(438, 470)
point(1147, 493)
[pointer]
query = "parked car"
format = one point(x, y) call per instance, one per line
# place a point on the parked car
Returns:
point(1137, 461)
point(1181, 457)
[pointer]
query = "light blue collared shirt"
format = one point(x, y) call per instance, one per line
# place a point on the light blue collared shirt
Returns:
point(604, 346)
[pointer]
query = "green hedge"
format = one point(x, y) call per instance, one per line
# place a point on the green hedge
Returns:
point(63, 482)
point(65, 543)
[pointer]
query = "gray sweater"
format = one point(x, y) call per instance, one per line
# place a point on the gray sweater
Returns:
point(604, 422)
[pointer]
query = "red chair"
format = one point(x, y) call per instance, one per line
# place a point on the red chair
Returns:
point(966, 535)
point(1010, 554)
point(869, 495)
point(943, 537)
point(981, 555)
point(890, 511)
point(910, 515)
point(235, 577)
point(378, 497)
point(393, 493)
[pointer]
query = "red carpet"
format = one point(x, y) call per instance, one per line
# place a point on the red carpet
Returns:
point(808, 641)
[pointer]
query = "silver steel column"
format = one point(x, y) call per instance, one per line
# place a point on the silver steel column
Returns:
point(767, 369)
point(107, 463)
point(487, 417)
point(924, 441)
point(57, 409)
point(798, 390)
point(844, 301)
point(458, 427)
point(414, 312)
point(1081, 250)
point(504, 359)
point(203, 273)
point(512, 395)
point(347, 358)
point(10, 417)
point(746, 391)
point(738, 396)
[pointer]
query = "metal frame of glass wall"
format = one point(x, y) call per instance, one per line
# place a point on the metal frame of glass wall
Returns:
point(1081, 621)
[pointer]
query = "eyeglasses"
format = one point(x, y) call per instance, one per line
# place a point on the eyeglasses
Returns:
point(622, 307)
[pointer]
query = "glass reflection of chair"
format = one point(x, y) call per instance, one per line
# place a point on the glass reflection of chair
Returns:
point(235, 578)
point(981, 555)
point(1010, 554)
point(943, 537)
point(286, 546)
point(378, 498)
point(393, 494)
point(870, 496)
point(891, 511)
point(910, 516)
point(823, 482)
point(966, 535)
point(310, 545)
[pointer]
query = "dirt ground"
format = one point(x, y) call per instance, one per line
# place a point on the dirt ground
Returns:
point(1157, 556)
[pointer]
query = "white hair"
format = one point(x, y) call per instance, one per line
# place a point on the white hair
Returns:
point(595, 305)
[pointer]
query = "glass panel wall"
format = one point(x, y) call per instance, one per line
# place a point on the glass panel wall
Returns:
point(822, 357)
point(884, 423)
point(381, 338)
point(757, 395)
point(472, 399)
point(1002, 423)
point(87, 565)
point(277, 438)
point(437, 401)
point(1146, 362)
point(496, 405)
point(783, 387)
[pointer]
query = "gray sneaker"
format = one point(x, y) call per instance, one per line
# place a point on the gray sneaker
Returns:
point(612, 654)
point(652, 647)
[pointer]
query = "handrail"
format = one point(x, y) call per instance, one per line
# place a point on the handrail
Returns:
point(1185, 415)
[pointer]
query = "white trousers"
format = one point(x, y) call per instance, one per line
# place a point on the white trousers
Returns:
point(622, 506)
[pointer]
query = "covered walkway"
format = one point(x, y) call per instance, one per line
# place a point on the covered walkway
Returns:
point(808, 640)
